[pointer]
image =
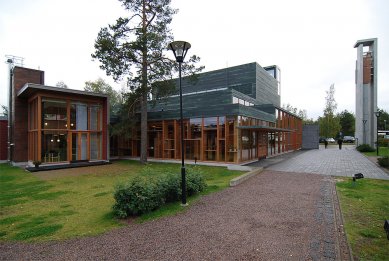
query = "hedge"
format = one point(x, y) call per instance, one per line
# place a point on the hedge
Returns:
point(383, 162)
point(152, 189)
point(365, 148)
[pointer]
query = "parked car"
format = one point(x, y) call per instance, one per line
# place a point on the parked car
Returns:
point(330, 140)
point(322, 139)
point(349, 139)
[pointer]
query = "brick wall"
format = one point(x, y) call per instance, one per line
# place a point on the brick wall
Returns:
point(3, 138)
point(22, 76)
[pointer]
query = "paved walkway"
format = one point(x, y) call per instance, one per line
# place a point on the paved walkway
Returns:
point(330, 161)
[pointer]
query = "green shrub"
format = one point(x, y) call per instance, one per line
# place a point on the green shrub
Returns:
point(365, 148)
point(171, 184)
point(383, 142)
point(195, 181)
point(150, 190)
point(383, 162)
point(140, 195)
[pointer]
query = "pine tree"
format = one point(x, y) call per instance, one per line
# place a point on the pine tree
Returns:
point(136, 48)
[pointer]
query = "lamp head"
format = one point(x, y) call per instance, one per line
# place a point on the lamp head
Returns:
point(377, 113)
point(179, 48)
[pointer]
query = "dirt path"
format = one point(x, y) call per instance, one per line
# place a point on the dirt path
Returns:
point(273, 216)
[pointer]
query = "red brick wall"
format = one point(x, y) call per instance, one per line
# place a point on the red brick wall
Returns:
point(3, 139)
point(19, 111)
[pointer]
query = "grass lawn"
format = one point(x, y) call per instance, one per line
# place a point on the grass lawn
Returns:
point(383, 151)
point(365, 206)
point(37, 207)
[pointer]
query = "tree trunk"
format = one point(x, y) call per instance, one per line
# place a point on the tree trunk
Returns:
point(143, 129)
point(143, 116)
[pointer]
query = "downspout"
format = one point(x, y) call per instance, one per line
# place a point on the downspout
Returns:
point(10, 138)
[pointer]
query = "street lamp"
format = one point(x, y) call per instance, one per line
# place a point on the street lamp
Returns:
point(377, 114)
point(180, 48)
point(385, 124)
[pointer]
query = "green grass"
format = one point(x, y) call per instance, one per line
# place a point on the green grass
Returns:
point(365, 206)
point(383, 151)
point(32, 209)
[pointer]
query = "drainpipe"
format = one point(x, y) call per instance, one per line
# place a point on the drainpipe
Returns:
point(10, 138)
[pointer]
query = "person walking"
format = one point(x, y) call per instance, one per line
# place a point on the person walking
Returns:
point(340, 141)
point(325, 143)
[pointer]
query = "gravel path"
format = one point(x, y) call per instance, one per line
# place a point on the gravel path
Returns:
point(272, 216)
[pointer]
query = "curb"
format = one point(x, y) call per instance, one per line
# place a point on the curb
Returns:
point(236, 181)
point(339, 225)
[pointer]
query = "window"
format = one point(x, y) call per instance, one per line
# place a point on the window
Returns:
point(78, 116)
point(95, 118)
point(210, 122)
point(54, 114)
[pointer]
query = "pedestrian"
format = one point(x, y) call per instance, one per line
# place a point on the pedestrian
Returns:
point(325, 143)
point(340, 141)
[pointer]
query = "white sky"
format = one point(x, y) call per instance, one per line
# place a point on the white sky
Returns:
point(311, 41)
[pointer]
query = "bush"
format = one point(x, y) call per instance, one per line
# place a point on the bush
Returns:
point(151, 189)
point(171, 184)
point(195, 181)
point(365, 148)
point(139, 196)
point(383, 142)
point(383, 162)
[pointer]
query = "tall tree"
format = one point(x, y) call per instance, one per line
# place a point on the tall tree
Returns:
point(135, 47)
point(347, 123)
point(329, 123)
point(5, 110)
point(61, 84)
point(383, 120)
point(100, 86)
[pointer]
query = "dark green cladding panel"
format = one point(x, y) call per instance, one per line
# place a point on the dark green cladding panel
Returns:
point(212, 95)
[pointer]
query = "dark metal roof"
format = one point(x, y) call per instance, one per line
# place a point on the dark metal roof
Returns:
point(266, 128)
point(30, 89)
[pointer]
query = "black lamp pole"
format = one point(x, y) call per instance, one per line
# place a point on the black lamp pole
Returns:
point(180, 48)
point(377, 114)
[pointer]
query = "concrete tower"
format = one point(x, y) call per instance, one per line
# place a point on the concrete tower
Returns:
point(366, 91)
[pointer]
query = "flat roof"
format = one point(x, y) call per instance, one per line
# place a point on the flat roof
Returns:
point(30, 89)
point(365, 42)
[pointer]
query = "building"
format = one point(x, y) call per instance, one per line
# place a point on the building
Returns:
point(231, 115)
point(366, 91)
point(55, 125)
point(3, 137)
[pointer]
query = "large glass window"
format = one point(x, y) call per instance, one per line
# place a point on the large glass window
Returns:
point(95, 146)
point(210, 123)
point(54, 114)
point(54, 146)
point(95, 118)
point(78, 116)
point(195, 128)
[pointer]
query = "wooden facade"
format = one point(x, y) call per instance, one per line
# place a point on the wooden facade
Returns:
point(56, 125)
point(228, 139)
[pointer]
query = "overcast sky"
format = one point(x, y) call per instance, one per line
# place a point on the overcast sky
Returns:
point(311, 41)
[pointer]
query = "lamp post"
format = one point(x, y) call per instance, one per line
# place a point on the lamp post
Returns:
point(180, 48)
point(377, 114)
point(385, 124)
